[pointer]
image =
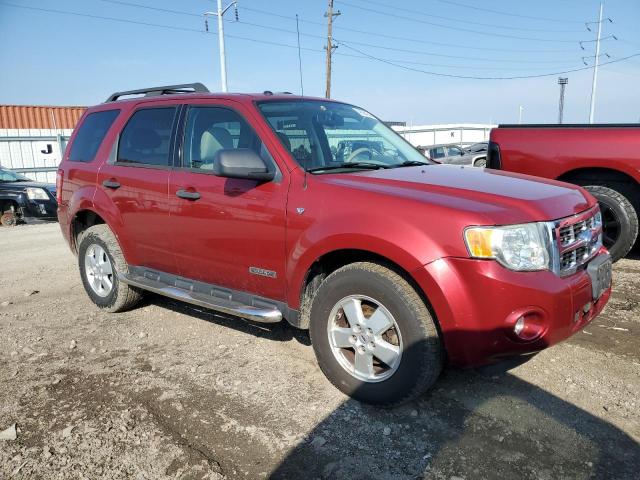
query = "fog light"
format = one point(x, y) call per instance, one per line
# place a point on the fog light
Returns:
point(527, 324)
point(519, 326)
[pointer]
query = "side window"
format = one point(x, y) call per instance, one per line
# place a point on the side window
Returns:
point(146, 138)
point(90, 135)
point(211, 129)
point(454, 151)
point(437, 152)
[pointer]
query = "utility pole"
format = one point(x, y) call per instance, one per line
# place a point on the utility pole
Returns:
point(223, 59)
point(330, 47)
point(595, 68)
point(563, 83)
point(520, 110)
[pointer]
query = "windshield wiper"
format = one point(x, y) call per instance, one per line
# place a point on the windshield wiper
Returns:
point(358, 165)
point(411, 163)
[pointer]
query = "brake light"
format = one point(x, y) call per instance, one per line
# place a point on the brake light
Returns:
point(59, 176)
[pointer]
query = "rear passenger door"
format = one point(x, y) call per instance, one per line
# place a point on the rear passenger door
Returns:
point(136, 178)
point(231, 232)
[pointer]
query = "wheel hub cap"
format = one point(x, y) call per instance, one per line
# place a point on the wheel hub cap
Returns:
point(365, 338)
point(99, 270)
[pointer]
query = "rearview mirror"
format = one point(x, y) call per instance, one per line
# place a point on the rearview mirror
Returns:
point(241, 163)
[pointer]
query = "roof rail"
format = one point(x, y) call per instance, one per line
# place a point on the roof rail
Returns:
point(166, 90)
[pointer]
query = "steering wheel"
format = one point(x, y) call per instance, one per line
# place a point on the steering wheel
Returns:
point(357, 152)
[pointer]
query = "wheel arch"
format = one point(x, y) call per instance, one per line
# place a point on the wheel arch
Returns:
point(331, 260)
point(600, 175)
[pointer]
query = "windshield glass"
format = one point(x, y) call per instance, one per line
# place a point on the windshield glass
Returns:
point(9, 176)
point(328, 135)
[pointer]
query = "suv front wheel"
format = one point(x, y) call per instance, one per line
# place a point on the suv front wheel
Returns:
point(373, 335)
point(100, 259)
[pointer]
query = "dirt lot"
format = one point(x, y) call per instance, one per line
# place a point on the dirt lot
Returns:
point(169, 391)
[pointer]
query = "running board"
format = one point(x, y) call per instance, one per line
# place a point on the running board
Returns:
point(202, 295)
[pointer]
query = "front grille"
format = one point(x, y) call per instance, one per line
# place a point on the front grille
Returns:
point(578, 240)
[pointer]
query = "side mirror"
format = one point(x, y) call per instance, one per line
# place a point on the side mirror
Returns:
point(241, 163)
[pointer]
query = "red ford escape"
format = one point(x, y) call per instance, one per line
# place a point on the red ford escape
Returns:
point(272, 206)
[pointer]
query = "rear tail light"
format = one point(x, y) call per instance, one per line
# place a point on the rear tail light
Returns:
point(59, 176)
point(493, 156)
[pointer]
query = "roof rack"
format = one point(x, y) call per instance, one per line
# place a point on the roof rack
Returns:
point(166, 90)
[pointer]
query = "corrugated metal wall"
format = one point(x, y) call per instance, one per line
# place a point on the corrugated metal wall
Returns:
point(33, 138)
point(35, 153)
point(39, 117)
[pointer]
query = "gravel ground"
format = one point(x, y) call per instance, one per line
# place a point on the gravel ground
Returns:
point(169, 391)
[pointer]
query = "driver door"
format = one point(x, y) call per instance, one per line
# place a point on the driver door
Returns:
point(227, 232)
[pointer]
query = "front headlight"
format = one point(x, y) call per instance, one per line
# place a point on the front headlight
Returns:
point(524, 247)
point(37, 194)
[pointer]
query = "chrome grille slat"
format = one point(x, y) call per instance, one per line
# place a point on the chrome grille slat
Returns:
point(579, 239)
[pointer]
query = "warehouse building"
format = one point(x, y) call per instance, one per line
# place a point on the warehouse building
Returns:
point(33, 138)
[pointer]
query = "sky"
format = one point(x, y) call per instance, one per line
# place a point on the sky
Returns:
point(399, 60)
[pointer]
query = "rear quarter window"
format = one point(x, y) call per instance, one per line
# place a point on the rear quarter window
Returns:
point(90, 135)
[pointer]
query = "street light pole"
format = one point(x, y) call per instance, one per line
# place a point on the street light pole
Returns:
point(223, 59)
point(562, 81)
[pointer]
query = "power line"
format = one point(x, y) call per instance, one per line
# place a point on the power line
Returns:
point(354, 42)
point(362, 55)
point(471, 77)
point(508, 14)
point(342, 28)
point(449, 27)
point(468, 22)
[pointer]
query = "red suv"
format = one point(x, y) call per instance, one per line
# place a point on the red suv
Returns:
point(275, 206)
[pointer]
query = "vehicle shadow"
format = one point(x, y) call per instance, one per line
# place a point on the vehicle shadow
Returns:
point(480, 423)
point(281, 332)
point(470, 425)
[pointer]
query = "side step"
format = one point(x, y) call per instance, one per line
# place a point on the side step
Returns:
point(258, 313)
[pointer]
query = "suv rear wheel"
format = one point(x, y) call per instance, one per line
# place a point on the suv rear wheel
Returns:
point(100, 259)
point(373, 335)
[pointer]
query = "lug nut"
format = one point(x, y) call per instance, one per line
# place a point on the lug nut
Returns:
point(357, 329)
point(371, 345)
point(361, 349)
point(352, 339)
point(369, 331)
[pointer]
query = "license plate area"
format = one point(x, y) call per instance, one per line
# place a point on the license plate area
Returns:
point(600, 273)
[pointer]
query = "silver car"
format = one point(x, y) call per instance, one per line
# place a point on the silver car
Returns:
point(456, 155)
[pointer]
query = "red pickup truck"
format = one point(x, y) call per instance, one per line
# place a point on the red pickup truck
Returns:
point(604, 159)
point(272, 206)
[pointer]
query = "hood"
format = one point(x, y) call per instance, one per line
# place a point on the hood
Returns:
point(491, 196)
point(20, 186)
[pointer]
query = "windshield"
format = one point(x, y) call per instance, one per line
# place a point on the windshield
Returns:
point(9, 176)
point(332, 136)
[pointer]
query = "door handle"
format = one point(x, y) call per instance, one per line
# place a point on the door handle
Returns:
point(186, 194)
point(111, 184)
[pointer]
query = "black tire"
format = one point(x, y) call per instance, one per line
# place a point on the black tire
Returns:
point(620, 220)
point(121, 297)
point(422, 353)
point(480, 162)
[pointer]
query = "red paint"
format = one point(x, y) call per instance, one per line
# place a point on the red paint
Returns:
point(555, 152)
point(412, 216)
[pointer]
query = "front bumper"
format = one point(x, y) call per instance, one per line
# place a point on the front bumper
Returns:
point(477, 302)
point(31, 211)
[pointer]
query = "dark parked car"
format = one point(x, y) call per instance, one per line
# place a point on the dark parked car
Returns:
point(23, 200)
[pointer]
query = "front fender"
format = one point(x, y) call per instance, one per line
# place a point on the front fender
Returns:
point(403, 244)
